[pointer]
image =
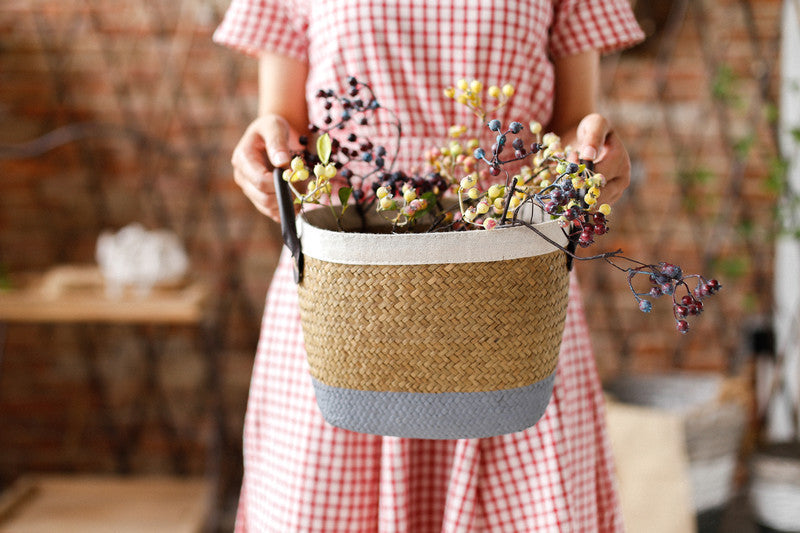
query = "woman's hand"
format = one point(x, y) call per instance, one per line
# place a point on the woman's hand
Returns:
point(597, 142)
point(263, 147)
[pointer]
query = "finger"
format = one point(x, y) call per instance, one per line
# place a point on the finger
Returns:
point(274, 130)
point(265, 203)
point(264, 183)
point(591, 135)
point(612, 191)
point(249, 158)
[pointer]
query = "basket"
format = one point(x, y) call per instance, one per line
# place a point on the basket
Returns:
point(713, 428)
point(775, 486)
point(430, 335)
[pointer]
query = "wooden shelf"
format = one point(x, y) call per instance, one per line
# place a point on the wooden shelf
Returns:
point(77, 293)
point(88, 504)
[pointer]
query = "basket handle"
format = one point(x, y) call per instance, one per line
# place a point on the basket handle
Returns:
point(572, 246)
point(288, 223)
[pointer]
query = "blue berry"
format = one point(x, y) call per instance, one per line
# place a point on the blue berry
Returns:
point(645, 306)
point(479, 153)
point(515, 127)
point(494, 125)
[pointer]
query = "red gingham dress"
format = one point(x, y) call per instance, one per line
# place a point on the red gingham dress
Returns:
point(303, 475)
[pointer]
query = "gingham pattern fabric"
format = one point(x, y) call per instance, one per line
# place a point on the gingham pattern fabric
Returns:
point(303, 475)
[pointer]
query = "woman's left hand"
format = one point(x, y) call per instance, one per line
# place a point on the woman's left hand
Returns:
point(597, 142)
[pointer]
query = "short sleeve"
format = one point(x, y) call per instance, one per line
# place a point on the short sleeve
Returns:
point(253, 26)
point(603, 25)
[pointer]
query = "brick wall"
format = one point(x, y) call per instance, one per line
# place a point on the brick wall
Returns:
point(692, 103)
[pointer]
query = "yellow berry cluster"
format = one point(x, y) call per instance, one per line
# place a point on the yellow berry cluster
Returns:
point(469, 93)
point(314, 188)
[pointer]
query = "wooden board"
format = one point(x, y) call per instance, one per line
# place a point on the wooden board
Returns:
point(94, 504)
point(77, 293)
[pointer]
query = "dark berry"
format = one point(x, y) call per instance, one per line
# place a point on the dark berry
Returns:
point(655, 292)
point(682, 326)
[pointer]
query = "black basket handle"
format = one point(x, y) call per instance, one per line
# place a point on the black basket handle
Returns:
point(572, 246)
point(288, 222)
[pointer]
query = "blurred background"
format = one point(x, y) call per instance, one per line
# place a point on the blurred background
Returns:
point(113, 113)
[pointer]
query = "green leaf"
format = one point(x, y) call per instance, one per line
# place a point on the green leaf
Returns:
point(795, 134)
point(776, 175)
point(722, 86)
point(324, 148)
point(733, 267)
point(344, 195)
point(742, 146)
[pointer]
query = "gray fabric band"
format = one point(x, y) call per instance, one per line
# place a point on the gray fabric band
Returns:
point(446, 415)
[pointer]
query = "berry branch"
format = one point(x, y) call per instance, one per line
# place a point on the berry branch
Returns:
point(485, 189)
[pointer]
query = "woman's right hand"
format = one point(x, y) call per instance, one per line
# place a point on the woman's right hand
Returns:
point(263, 147)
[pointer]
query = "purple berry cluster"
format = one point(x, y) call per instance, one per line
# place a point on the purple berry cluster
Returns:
point(668, 279)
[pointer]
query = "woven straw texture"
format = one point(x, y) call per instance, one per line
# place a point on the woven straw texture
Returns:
point(434, 328)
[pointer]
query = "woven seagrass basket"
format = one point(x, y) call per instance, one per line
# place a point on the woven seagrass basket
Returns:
point(431, 335)
point(714, 429)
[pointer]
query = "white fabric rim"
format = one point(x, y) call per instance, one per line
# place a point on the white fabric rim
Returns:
point(477, 246)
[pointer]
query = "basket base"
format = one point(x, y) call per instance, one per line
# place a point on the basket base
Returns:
point(445, 415)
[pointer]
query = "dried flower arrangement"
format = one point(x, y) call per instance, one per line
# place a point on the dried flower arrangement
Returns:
point(524, 176)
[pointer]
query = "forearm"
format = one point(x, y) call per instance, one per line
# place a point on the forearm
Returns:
point(282, 90)
point(576, 91)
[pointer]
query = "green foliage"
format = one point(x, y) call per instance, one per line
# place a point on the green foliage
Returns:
point(324, 148)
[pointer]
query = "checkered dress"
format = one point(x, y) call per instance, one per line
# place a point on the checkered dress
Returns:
point(303, 475)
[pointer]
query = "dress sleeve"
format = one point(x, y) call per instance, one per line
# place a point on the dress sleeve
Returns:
point(253, 26)
point(581, 25)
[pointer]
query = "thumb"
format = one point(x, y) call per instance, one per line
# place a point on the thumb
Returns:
point(275, 131)
point(591, 135)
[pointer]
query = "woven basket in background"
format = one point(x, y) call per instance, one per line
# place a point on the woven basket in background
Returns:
point(431, 335)
point(775, 486)
point(713, 428)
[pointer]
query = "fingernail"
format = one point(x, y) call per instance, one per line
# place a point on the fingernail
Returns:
point(588, 152)
point(280, 159)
